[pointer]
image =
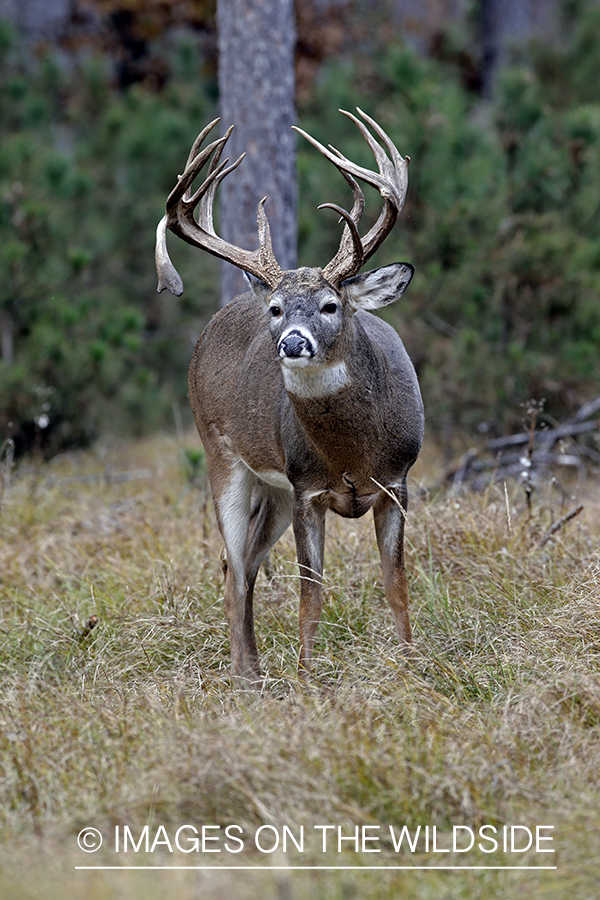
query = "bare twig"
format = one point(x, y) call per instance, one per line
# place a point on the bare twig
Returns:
point(7, 449)
point(507, 502)
point(556, 526)
point(533, 409)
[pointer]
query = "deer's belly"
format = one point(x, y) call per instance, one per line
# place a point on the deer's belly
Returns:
point(349, 505)
point(274, 479)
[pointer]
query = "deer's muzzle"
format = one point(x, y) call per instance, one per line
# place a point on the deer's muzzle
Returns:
point(295, 345)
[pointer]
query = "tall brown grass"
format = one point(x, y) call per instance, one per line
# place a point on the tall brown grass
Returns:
point(135, 721)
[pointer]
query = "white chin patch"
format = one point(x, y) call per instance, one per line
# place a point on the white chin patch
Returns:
point(311, 382)
point(295, 362)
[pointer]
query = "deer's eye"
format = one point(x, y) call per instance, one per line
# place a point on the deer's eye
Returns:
point(275, 311)
point(330, 308)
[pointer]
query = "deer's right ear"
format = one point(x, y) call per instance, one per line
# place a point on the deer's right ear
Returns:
point(259, 288)
point(377, 288)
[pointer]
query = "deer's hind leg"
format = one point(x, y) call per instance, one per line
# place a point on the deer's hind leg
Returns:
point(270, 515)
point(389, 514)
point(232, 483)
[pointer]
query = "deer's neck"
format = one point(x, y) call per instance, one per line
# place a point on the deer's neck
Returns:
point(306, 383)
point(340, 399)
point(316, 382)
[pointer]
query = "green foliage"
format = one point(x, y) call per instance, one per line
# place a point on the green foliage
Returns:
point(502, 222)
point(84, 174)
point(193, 465)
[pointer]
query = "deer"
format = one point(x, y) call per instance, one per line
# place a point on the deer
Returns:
point(303, 399)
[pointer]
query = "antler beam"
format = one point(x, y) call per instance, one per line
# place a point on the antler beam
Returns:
point(190, 215)
point(200, 232)
point(391, 181)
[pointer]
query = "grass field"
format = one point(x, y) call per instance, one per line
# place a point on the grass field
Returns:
point(135, 722)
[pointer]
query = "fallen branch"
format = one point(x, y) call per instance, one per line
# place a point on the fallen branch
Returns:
point(556, 526)
point(544, 436)
point(523, 454)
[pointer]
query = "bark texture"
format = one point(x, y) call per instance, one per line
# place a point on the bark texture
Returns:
point(256, 85)
point(507, 23)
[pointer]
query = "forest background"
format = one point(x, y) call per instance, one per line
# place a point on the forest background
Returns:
point(502, 219)
point(117, 706)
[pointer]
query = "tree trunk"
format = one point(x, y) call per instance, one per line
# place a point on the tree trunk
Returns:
point(6, 337)
point(503, 22)
point(39, 19)
point(256, 84)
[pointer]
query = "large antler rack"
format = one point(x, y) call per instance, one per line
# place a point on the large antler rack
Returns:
point(391, 181)
point(200, 232)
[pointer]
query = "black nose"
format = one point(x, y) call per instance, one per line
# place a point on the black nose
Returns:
point(293, 344)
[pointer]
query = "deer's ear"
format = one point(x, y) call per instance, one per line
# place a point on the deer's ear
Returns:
point(377, 288)
point(260, 288)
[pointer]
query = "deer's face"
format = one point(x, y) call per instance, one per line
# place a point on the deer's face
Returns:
point(311, 322)
point(306, 319)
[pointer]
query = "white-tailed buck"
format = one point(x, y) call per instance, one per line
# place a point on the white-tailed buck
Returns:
point(304, 401)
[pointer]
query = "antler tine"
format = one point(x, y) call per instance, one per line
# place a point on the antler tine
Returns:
point(206, 193)
point(381, 159)
point(391, 181)
point(350, 241)
point(168, 276)
point(179, 218)
point(193, 168)
point(358, 206)
point(390, 146)
point(352, 230)
point(200, 139)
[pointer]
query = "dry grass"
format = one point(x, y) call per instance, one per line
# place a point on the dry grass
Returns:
point(496, 721)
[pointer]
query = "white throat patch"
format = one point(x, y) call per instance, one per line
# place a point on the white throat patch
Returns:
point(312, 382)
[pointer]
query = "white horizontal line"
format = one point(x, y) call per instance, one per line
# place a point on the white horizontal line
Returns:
point(304, 868)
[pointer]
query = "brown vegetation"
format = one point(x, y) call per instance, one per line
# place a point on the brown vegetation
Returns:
point(134, 721)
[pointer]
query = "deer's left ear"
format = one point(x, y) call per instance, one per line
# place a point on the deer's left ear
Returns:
point(258, 287)
point(377, 288)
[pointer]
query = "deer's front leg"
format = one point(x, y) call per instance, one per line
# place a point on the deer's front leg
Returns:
point(389, 513)
point(309, 532)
